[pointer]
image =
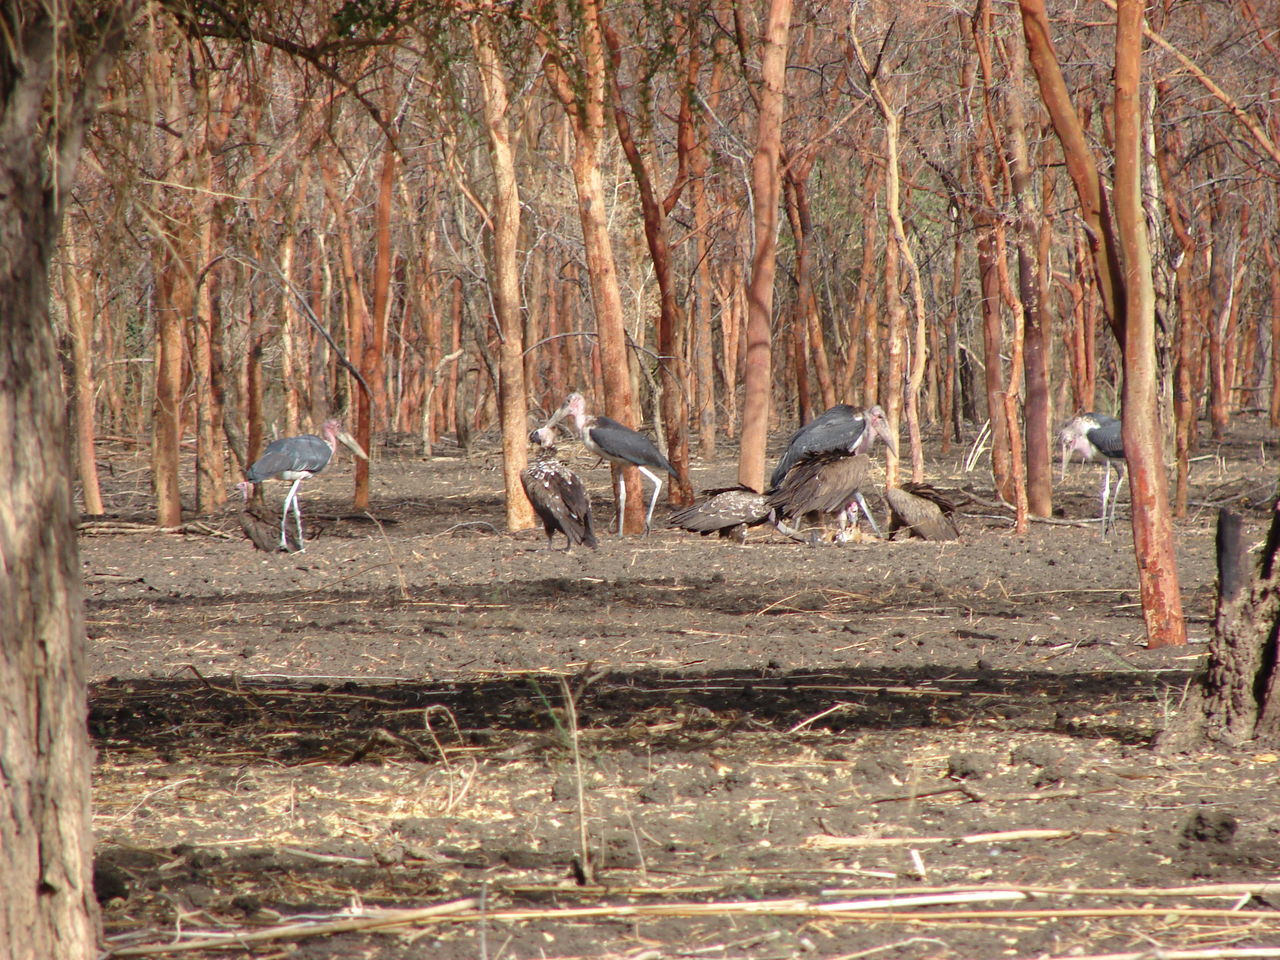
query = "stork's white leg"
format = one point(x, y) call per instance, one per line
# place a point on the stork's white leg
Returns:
point(290, 497)
point(1115, 493)
point(297, 516)
point(622, 502)
point(1106, 490)
point(657, 486)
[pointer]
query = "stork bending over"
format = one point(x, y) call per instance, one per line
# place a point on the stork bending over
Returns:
point(840, 429)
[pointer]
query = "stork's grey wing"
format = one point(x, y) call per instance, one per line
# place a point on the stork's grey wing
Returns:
point(291, 455)
point(623, 443)
point(1107, 438)
point(835, 429)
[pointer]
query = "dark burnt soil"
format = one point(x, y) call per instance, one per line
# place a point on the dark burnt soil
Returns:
point(704, 749)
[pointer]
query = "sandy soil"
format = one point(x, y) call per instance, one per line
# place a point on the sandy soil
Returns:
point(718, 749)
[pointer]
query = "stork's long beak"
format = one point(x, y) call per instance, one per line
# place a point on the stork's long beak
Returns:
point(348, 441)
point(558, 415)
point(881, 427)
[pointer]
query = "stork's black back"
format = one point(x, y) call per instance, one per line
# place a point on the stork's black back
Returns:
point(836, 429)
point(1106, 436)
point(306, 452)
point(624, 444)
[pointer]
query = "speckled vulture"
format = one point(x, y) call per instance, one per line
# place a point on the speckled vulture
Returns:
point(728, 511)
point(558, 496)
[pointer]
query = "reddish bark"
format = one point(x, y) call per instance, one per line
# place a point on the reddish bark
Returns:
point(1152, 523)
point(765, 182)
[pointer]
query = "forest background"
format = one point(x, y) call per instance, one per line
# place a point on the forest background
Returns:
point(713, 217)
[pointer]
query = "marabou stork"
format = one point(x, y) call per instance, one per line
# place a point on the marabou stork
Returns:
point(558, 496)
point(830, 482)
point(840, 429)
point(922, 510)
point(297, 459)
point(728, 511)
point(612, 441)
point(1096, 437)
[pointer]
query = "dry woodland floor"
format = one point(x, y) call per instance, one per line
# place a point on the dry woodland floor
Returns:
point(426, 737)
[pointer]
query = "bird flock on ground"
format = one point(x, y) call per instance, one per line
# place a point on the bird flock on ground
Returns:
point(821, 475)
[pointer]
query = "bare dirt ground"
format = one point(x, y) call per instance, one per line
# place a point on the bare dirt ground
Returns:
point(668, 747)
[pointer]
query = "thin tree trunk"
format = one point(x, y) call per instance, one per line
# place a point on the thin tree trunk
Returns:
point(1081, 164)
point(81, 329)
point(1036, 409)
point(765, 189)
point(173, 304)
point(1273, 276)
point(584, 107)
point(512, 401)
point(1148, 485)
point(671, 318)
point(358, 330)
point(867, 299)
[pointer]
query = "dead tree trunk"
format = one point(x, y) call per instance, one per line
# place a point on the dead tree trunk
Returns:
point(1237, 699)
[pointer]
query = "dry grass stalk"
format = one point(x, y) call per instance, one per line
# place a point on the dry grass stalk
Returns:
point(824, 842)
point(873, 910)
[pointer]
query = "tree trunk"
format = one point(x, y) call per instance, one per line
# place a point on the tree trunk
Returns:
point(358, 332)
point(765, 186)
point(48, 909)
point(1081, 164)
point(81, 330)
point(512, 401)
point(671, 318)
point(1148, 483)
point(1273, 276)
point(1036, 409)
point(173, 307)
point(1237, 698)
point(584, 106)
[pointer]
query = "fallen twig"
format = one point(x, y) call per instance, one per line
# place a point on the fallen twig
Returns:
point(826, 842)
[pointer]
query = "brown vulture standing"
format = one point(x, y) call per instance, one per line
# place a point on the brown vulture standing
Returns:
point(558, 496)
point(923, 510)
point(728, 511)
